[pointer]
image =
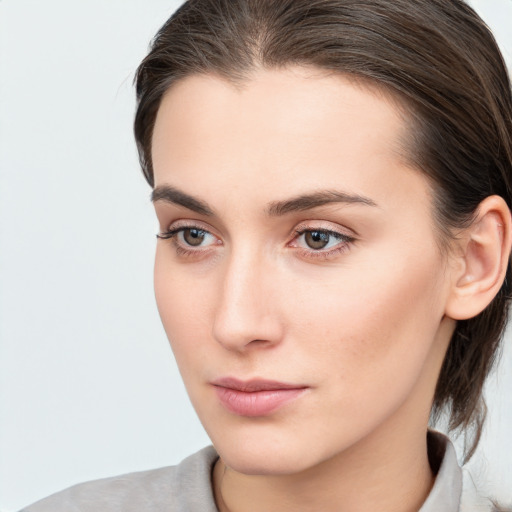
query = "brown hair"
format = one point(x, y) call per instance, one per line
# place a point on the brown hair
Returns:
point(441, 60)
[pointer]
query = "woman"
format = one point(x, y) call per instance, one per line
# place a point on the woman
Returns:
point(332, 184)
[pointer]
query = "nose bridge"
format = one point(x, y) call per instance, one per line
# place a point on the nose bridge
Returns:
point(244, 312)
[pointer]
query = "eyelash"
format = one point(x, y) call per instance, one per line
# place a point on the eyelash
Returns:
point(342, 247)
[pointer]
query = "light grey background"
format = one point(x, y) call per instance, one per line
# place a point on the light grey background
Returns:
point(88, 385)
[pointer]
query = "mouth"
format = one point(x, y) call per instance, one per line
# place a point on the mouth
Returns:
point(257, 397)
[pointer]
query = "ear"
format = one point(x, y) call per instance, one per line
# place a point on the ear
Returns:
point(481, 260)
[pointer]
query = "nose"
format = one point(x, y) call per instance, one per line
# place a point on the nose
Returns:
point(247, 314)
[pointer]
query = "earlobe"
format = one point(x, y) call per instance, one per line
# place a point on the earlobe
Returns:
point(483, 261)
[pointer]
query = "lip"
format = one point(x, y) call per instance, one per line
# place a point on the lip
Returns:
point(256, 397)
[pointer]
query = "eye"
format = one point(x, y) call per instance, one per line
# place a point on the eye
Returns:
point(321, 243)
point(189, 237)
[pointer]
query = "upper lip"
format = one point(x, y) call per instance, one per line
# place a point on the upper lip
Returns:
point(253, 385)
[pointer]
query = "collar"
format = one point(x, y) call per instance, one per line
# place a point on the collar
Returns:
point(446, 493)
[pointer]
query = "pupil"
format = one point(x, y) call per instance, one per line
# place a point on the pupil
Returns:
point(317, 239)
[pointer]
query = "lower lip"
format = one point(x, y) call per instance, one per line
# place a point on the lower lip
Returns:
point(256, 403)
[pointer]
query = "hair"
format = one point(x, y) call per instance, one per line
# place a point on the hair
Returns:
point(442, 62)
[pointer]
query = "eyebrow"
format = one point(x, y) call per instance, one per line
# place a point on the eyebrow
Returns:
point(299, 203)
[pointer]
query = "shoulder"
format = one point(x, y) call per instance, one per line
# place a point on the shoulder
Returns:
point(186, 486)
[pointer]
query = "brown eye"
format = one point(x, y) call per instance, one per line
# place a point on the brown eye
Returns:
point(194, 236)
point(316, 239)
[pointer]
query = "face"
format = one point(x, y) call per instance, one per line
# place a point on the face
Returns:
point(297, 274)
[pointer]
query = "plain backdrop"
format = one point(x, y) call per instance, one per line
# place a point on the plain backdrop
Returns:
point(88, 384)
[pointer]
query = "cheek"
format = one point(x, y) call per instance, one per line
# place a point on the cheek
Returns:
point(373, 327)
point(184, 304)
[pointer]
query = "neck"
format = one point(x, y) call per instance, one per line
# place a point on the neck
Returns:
point(362, 478)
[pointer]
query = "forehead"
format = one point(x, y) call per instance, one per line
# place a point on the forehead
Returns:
point(295, 125)
point(291, 103)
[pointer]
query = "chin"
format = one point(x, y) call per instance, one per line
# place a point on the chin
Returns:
point(269, 451)
point(263, 461)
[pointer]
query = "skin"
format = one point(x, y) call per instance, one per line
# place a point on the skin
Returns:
point(364, 329)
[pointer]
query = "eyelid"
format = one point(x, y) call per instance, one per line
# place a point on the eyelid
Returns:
point(335, 234)
point(171, 233)
point(319, 225)
point(186, 224)
point(190, 223)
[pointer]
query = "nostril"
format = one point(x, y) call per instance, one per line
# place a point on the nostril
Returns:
point(259, 342)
